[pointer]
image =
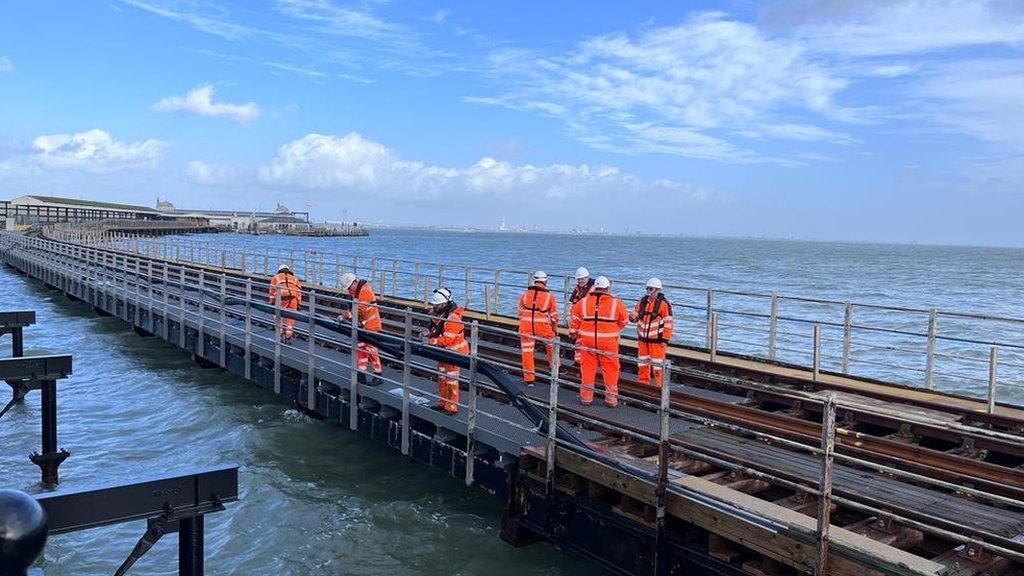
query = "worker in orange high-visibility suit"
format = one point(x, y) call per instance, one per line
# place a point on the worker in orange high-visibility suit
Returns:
point(596, 321)
point(584, 284)
point(369, 319)
point(538, 318)
point(653, 317)
point(291, 297)
point(446, 330)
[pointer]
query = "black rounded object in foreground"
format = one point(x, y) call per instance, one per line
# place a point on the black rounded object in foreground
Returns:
point(23, 530)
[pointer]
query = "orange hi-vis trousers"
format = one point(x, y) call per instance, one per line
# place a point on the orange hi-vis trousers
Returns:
point(528, 345)
point(603, 352)
point(448, 387)
point(367, 354)
point(288, 324)
point(650, 357)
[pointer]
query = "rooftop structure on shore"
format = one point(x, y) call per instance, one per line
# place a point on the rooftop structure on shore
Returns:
point(282, 219)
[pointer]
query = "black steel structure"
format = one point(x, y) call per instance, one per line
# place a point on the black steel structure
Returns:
point(40, 373)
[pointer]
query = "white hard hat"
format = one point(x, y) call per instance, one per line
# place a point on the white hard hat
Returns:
point(284, 267)
point(437, 298)
point(602, 282)
point(446, 293)
point(582, 272)
point(654, 283)
point(347, 279)
point(540, 276)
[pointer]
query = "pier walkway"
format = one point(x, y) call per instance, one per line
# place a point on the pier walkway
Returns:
point(658, 484)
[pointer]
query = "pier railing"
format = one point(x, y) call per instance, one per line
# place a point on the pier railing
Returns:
point(231, 312)
point(971, 354)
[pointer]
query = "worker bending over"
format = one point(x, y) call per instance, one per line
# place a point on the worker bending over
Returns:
point(596, 321)
point(446, 331)
point(583, 286)
point(291, 296)
point(653, 317)
point(369, 320)
point(538, 318)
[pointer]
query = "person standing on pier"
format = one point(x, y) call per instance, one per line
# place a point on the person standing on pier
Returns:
point(584, 284)
point(291, 296)
point(446, 330)
point(653, 317)
point(596, 321)
point(369, 319)
point(538, 318)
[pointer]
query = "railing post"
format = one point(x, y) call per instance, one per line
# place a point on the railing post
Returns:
point(710, 314)
point(773, 326)
point(847, 336)
point(406, 379)
point(248, 328)
point(181, 313)
point(993, 363)
point(552, 440)
point(416, 281)
point(471, 416)
point(243, 262)
point(353, 406)
point(713, 336)
point(828, 440)
point(929, 361)
point(664, 453)
point(487, 301)
point(149, 300)
point(497, 291)
point(167, 301)
point(201, 322)
point(277, 341)
point(468, 293)
point(223, 321)
point(394, 278)
point(373, 273)
point(311, 361)
point(816, 353)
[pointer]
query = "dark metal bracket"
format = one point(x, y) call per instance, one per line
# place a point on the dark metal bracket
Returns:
point(40, 373)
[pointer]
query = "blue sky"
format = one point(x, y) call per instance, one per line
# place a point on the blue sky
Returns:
point(834, 120)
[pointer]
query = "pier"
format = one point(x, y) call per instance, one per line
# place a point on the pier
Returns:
point(743, 465)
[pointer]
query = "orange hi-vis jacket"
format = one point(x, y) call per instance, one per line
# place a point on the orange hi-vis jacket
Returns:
point(447, 331)
point(598, 319)
point(291, 290)
point(654, 322)
point(538, 312)
point(369, 313)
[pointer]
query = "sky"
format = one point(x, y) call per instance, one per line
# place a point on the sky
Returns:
point(894, 121)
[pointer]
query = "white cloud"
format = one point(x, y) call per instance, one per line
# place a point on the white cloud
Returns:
point(441, 15)
point(802, 133)
point(354, 164)
point(200, 101)
point(209, 174)
point(5, 65)
point(297, 70)
point(979, 98)
point(93, 151)
point(671, 89)
point(883, 27)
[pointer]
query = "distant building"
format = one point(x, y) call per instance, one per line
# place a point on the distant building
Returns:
point(36, 209)
point(280, 220)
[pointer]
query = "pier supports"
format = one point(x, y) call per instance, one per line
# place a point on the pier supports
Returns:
point(41, 373)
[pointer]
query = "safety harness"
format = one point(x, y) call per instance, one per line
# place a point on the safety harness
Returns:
point(436, 328)
point(596, 318)
point(532, 307)
point(652, 314)
point(580, 292)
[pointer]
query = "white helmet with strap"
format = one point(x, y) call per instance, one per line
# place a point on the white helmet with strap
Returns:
point(540, 276)
point(654, 283)
point(582, 272)
point(283, 267)
point(347, 279)
point(602, 282)
point(437, 299)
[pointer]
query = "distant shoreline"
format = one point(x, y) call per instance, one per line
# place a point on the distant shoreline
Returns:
point(609, 234)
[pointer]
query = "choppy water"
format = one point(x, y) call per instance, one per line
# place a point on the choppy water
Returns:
point(316, 500)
